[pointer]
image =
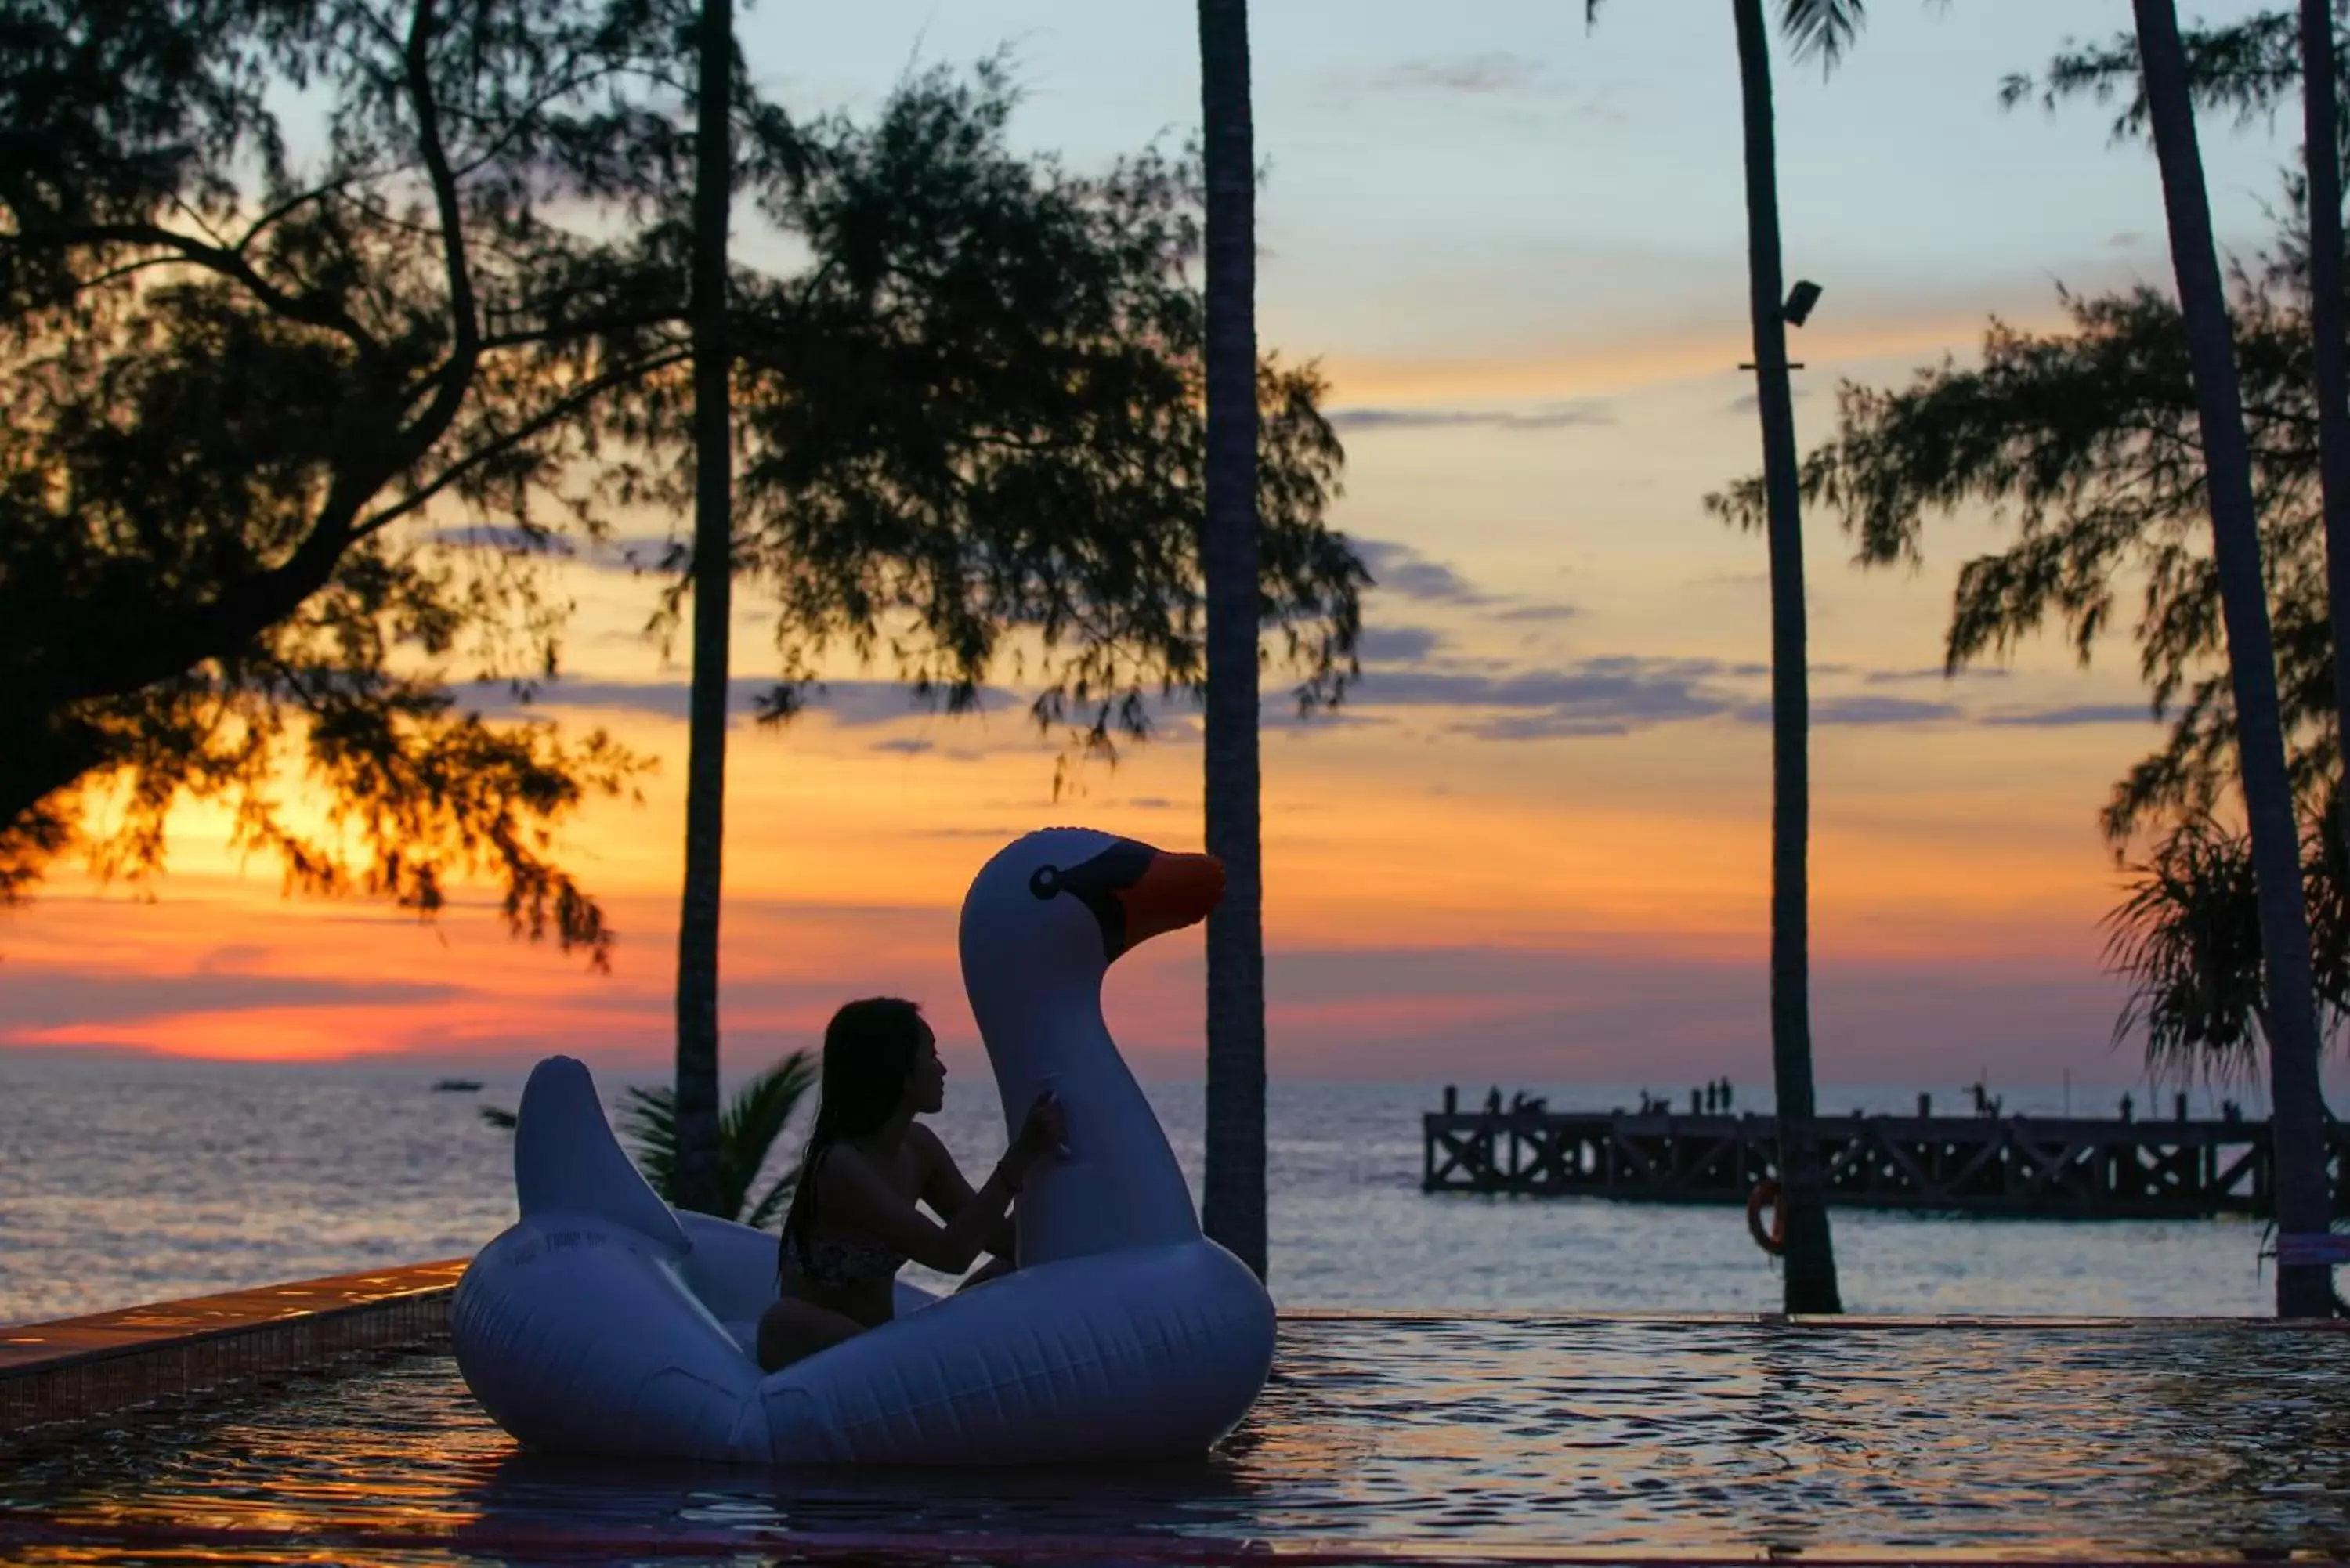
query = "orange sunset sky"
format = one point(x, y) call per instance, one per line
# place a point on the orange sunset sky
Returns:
point(1534, 846)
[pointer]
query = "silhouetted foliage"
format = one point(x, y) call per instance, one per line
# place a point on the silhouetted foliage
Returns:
point(748, 1129)
point(283, 436)
point(2187, 939)
point(2087, 440)
point(239, 387)
point(977, 432)
point(1817, 29)
point(2248, 69)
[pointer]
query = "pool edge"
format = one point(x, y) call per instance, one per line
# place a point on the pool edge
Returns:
point(70, 1372)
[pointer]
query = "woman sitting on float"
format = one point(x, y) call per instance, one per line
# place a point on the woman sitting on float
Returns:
point(853, 1222)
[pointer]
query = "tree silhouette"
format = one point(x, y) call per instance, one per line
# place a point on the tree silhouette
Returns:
point(695, 1151)
point(289, 439)
point(1233, 1197)
point(2297, 1104)
point(1826, 29)
point(245, 395)
point(2126, 442)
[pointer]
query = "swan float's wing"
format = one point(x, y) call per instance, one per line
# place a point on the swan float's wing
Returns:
point(577, 1329)
point(567, 1160)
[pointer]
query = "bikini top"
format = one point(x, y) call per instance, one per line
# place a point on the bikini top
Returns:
point(839, 1265)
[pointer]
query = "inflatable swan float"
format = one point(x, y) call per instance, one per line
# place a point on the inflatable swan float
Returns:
point(604, 1320)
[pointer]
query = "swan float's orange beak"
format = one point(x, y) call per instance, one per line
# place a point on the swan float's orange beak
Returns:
point(1174, 892)
point(1135, 891)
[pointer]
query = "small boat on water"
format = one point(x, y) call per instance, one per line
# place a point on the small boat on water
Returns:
point(456, 1085)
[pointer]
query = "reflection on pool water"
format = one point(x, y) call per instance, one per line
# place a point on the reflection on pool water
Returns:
point(1380, 1437)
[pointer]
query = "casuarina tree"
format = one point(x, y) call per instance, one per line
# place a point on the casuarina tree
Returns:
point(975, 434)
point(288, 435)
point(279, 430)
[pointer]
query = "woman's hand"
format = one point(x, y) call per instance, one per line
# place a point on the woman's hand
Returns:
point(1046, 1131)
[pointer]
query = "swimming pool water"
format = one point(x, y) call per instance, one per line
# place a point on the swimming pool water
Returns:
point(1380, 1437)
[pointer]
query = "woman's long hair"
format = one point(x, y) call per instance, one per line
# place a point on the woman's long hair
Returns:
point(869, 1049)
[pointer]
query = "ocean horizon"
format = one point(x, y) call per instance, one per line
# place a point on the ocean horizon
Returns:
point(127, 1179)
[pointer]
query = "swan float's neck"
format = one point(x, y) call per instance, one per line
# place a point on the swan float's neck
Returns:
point(1120, 1185)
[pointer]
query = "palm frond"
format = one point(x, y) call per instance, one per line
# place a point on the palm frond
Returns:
point(769, 1209)
point(649, 1117)
point(749, 1129)
point(1822, 27)
point(2188, 939)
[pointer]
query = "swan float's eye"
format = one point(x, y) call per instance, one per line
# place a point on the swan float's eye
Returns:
point(1046, 882)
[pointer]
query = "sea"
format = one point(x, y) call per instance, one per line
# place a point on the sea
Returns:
point(132, 1179)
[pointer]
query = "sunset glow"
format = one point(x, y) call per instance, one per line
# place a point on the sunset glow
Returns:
point(1532, 845)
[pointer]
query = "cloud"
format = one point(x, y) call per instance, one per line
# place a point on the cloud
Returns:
point(1863, 710)
point(854, 703)
point(41, 1002)
point(1610, 696)
point(2082, 714)
point(1936, 673)
point(638, 552)
point(1399, 569)
point(1746, 403)
point(1618, 694)
point(2127, 239)
point(905, 746)
point(1398, 644)
point(1547, 416)
point(1495, 71)
point(1539, 612)
point(495, 536)
point(1552, 726)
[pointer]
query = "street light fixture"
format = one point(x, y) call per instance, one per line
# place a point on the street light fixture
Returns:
point(1800, 300)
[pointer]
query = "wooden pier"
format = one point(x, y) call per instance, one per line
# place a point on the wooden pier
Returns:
point(2058, 1168)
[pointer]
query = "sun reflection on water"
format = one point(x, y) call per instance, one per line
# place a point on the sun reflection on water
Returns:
point(1389, 1437)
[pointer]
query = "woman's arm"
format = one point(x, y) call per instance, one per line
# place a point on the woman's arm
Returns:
point(872, 1208)
point(947, 1193)
point(868, 1206)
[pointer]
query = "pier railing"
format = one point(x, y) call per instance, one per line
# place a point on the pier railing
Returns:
point(2017, 1165)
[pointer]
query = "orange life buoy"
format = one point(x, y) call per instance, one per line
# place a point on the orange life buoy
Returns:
point(1774, 1239)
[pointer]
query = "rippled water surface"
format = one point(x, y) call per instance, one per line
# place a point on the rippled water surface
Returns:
point(1387, 1437)
point(128, 1181)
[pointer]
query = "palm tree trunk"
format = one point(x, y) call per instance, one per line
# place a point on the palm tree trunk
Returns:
point(1233, 1202)
point(697, 1185)
point(2297, 1125)
point(2320, 131)
point(1811, 1273)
